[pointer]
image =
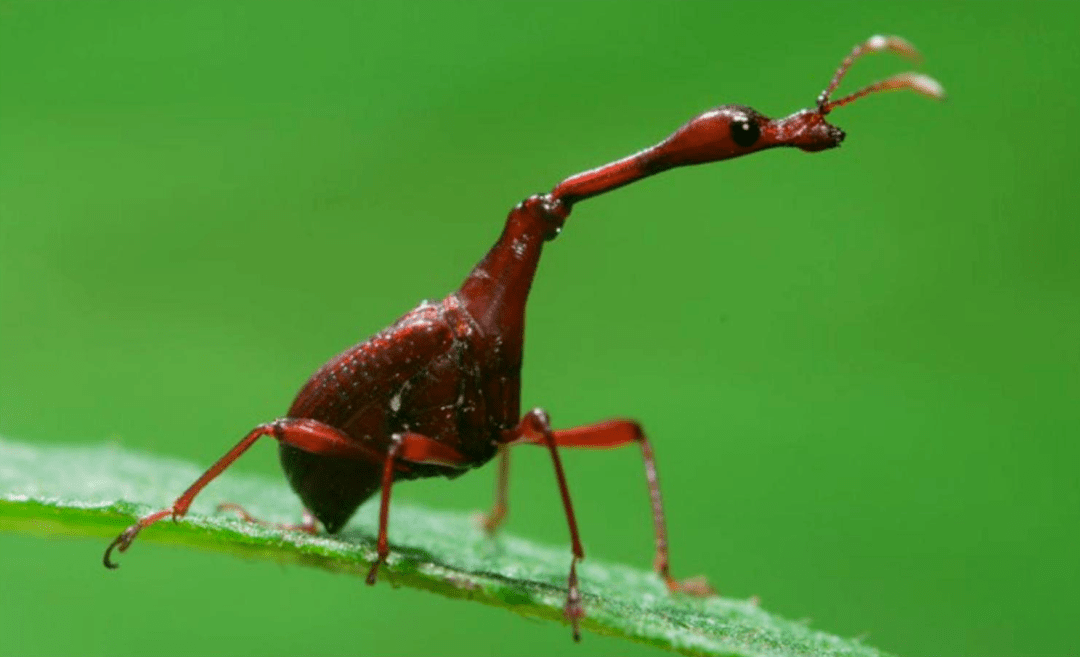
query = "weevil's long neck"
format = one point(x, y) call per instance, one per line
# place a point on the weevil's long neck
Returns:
point(496, 290)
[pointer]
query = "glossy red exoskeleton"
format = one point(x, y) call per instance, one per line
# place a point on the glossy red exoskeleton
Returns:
point(438, 392)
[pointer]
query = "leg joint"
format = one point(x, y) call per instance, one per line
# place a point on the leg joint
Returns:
point(537, 422)
point(635, 427)
point(275, 429)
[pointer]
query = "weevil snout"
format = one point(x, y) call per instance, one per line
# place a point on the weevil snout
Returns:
point(806, 130)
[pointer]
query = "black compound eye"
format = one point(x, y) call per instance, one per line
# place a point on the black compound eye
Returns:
point(744, 132)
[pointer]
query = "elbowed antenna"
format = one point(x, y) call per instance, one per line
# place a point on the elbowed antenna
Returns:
point(917, 82)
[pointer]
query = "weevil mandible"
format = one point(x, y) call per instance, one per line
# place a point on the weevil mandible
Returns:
point(438, 392)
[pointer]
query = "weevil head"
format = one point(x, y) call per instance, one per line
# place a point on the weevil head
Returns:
point(806, 129)
point(733, 130)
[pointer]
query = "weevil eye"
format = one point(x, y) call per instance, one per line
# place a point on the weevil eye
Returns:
point(744, 131)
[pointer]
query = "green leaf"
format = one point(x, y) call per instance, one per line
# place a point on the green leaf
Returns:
point(98, 490)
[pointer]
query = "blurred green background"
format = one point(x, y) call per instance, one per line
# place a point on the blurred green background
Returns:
point(859, 368)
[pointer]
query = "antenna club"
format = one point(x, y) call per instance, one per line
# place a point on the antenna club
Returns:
point(895, 44)
point(877, 42)
point(927, 86)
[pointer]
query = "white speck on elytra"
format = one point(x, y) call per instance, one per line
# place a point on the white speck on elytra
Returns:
point(395, 403)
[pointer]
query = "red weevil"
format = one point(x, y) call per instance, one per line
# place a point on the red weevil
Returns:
point(438, 392)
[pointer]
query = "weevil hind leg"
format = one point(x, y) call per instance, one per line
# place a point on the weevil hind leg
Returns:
point(302, 433)
point(308, 524)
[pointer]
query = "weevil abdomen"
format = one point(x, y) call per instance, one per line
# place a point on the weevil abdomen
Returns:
point(420, 375)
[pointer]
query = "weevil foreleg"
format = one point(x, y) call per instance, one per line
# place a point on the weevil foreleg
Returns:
point(535, 429)
point(617, 433)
